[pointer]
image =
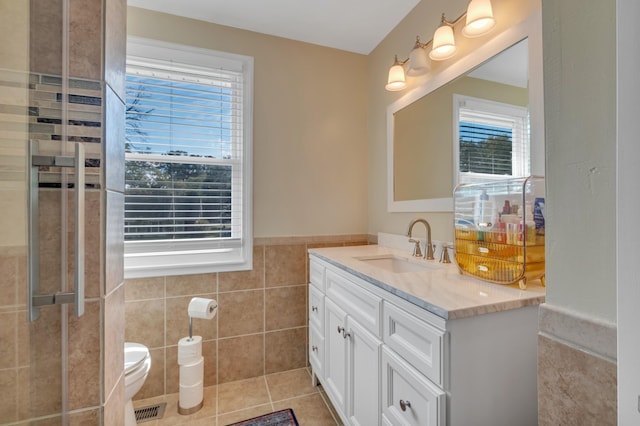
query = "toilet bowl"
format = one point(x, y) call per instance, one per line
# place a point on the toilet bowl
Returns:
point(137, 363)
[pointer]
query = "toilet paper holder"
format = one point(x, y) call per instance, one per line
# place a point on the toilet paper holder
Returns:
point(200, 308)
point(190, 359)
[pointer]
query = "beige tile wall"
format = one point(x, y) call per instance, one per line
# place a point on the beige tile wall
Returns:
point(577, 370)
point(261, 324)
point(14, 358)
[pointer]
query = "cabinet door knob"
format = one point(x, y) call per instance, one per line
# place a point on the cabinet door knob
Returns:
point(314, 348)
point(314, 308)
point(340, 330)
point(404, 405)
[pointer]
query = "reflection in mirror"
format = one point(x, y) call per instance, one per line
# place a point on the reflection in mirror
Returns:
point(480, 106)
point(493, 94)
point(491, 121)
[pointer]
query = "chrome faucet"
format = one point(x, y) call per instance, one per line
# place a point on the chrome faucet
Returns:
point(429, 249)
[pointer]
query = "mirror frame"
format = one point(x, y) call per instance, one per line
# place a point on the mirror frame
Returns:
point(530, 28)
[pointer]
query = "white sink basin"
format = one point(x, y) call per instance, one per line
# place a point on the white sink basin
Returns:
point(397, 264)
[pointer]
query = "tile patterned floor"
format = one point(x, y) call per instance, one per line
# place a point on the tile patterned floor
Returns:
point(236, 401)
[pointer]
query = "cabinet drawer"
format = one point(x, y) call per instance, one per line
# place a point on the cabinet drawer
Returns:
point(316, 274)
point(415, 340)
point(408, 398)
point(316, 352)
point(363, 306)
point(316, 309)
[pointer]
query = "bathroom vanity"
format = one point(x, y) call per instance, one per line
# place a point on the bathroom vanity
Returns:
point(397, 340)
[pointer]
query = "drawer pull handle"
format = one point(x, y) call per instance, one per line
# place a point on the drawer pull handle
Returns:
point(404, 405)
point(314, 308)
point(344, 332)
point(314, 348)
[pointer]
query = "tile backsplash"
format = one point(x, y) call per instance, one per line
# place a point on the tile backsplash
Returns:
point(261, 324)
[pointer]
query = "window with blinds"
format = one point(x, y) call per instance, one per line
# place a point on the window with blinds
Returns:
point(493, 140)
point(187, 173)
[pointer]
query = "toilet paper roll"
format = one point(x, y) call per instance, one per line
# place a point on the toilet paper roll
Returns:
point(192, 374)
point(200, 307)
point(189, 350)
point(190, 396)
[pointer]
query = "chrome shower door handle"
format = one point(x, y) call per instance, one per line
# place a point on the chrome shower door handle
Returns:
point(76, 297)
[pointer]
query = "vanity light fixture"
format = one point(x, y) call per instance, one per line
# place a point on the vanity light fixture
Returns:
point(418, 62)
point(444, 43)
point(479, 21)
point(479, 18)
point(396, 80)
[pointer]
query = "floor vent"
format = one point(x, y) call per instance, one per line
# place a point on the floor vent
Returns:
point(152, 412)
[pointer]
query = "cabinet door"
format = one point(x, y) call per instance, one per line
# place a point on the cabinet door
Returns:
point(316, 352)
point(316, 308)
point(335, 355)
point(409, 398)
point(364, 376)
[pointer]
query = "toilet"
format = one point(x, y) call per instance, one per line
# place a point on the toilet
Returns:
point(137, 363)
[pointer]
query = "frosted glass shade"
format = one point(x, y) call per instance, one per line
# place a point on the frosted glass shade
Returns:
point(479, 18)
point(418, 62)
point(444, 44)
point(396, 80)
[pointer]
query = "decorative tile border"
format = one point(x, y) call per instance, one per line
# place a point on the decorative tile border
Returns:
point(84, 121)
point(594, 337)
point(316, 239)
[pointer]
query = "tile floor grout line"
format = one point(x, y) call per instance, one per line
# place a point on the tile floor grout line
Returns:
point(241, 409)
point(266, 383)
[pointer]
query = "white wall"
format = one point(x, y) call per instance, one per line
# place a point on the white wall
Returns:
point(580, 119)
point(310, 125)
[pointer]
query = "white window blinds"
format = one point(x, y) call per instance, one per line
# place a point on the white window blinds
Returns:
point(493, 140)
point(186, 159)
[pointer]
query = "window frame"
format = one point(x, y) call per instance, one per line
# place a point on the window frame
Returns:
point(521, 140)
point(174, 257)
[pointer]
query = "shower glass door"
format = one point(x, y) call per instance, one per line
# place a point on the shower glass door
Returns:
point(40, 243)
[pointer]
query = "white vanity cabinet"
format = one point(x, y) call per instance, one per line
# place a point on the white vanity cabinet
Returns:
point(385, 361)
point(316, 328)
point(412, 369)
point(352, 349)
point(408, 397)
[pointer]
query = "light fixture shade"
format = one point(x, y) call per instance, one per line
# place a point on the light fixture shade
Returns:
point(444, 44)
point(479, 18)
point(418, 62)
point(396, 80)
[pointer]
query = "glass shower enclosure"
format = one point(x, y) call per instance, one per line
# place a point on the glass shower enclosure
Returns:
point(51, 115)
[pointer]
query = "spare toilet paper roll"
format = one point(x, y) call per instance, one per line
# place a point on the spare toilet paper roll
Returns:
point(190, 396)
point(189, 350)
point(192, 374)
point(200, 307)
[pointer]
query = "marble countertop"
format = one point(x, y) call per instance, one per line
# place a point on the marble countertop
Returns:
point(441, 290)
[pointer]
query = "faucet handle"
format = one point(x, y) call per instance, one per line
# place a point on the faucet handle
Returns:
point(417, 252)
point(444, 257)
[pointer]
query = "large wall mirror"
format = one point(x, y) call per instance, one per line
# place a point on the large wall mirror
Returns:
point(423, 128)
